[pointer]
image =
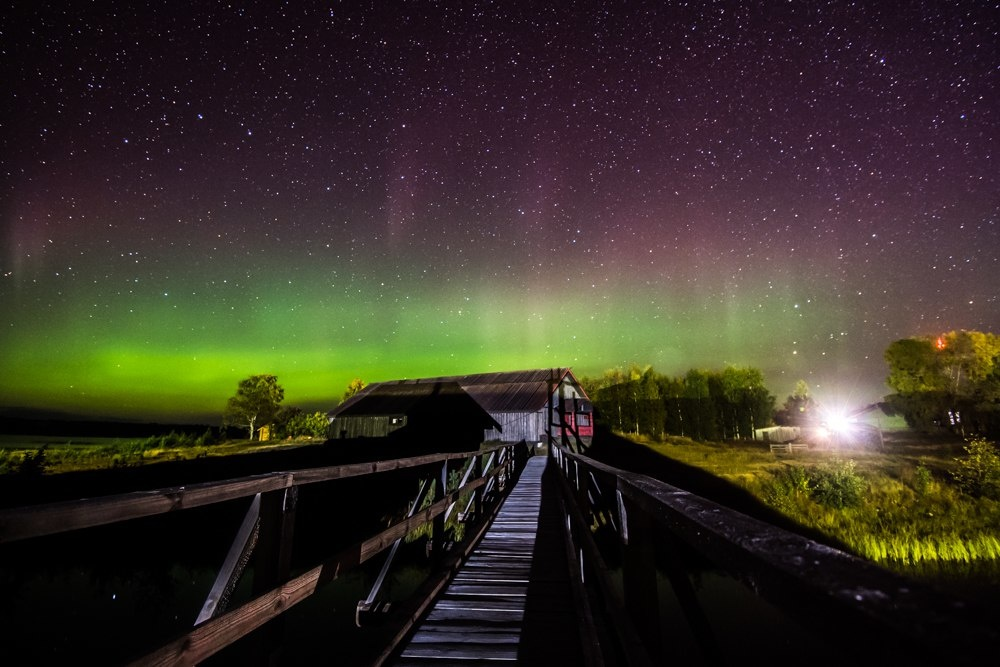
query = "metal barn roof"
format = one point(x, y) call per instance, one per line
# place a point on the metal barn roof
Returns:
point(512, 391)
point(412, 398)
point(385, 399)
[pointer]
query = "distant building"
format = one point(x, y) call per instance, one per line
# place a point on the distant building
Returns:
point(529, 405)
point(777, 434)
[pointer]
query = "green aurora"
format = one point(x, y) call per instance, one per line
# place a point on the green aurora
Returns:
point(323, 193)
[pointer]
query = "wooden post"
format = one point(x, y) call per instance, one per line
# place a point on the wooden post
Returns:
point(272, 563)
point(548, 414)
point(563, 435)
point(437, 534)
point(477, 462)
point(582, 491)
point(639, 575)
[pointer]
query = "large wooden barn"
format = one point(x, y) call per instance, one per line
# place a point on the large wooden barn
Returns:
point(412, 414)
point(529, 405)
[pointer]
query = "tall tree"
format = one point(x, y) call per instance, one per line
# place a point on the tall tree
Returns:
point(747, 399)
point(353, 387)
point(967, 359)
point(799, 406)
point(255, 403)
point(915, 366)
point(700, 407)
point(613, 404)
point(949, 380)
point(672, 394)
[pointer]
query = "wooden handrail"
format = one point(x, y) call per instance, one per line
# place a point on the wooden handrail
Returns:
point(796, 574)
point(20, 523)
point(216, 632)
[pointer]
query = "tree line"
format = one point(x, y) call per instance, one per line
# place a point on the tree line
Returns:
point(257, 404)
point(701, 404)
point(950, 382)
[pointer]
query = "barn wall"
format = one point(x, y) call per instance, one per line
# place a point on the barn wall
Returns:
point(569, 391)
point(365, 426)
point(518, 426)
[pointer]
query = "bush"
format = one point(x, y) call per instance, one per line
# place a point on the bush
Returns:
point(978, 472)
point(789, 484)
point(26, 463)
point(33, 464)
point(922, 479)
point(837, 485)
point(307, 424)
point(206, 438)
point(9, 461)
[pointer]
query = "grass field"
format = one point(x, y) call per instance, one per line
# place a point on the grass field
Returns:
point(900, 506)
point(50, 455)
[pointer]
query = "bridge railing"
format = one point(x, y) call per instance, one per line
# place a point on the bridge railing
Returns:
point(630, 532)
point(264, 541)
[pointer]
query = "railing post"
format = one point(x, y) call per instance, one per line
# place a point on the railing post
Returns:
point(582, 492)
point(477, 462)
point(437, 534)
point(272, 563)
point(639, 574)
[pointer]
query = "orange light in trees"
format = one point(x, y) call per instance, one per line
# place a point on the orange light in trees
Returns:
point(940, 343)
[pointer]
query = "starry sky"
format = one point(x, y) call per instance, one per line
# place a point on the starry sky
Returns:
point(194, 192)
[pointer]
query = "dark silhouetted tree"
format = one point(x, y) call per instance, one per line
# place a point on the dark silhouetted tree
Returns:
point(255, 403)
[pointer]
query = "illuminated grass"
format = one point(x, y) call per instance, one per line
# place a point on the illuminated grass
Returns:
point(911, 516)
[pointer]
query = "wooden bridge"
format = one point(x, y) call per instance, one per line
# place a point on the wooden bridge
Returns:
point(532, 558)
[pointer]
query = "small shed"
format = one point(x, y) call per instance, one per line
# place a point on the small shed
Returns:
point(777, 434)
point(527, 405)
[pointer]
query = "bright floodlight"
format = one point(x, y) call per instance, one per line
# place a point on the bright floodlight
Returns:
point(838, 423)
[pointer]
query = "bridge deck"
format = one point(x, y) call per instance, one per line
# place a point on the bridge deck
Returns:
point(513, 599)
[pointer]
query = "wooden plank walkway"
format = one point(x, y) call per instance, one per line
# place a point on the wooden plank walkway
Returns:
point(512, 600)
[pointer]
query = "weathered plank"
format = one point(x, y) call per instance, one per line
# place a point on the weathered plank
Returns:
point(510, 594)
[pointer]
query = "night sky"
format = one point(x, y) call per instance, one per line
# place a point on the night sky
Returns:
point(196, 192)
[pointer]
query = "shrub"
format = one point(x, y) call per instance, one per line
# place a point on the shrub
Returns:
point(978, 472)
point(307, 424)
point(9, 461)
point(33, 464)
point(921, 479)
point(789, 483)
point(837, 485)
point(206, 438)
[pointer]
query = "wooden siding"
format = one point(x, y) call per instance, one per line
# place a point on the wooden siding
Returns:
point(518, 426)
point(365, 426)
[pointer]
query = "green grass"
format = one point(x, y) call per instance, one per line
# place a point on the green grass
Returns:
point(902, 507)
point(37, 455)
